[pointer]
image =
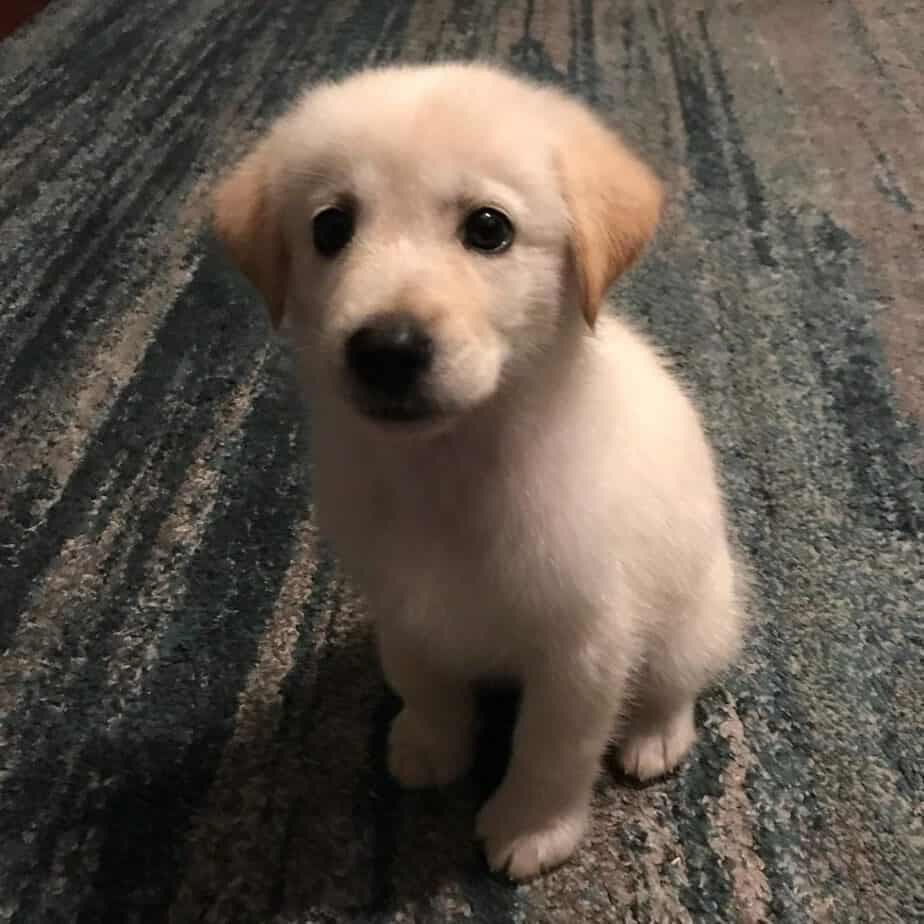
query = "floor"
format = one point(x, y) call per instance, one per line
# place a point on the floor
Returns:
point(191, 716)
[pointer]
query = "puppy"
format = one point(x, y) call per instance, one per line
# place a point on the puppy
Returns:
point(515, 482)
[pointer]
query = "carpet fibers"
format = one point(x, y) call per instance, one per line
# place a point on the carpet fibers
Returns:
point(191, 717)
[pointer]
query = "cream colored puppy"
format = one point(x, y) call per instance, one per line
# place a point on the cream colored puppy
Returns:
point(517, 485)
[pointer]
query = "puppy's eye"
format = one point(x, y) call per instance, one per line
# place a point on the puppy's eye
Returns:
point(332, 229)
point(487, 230)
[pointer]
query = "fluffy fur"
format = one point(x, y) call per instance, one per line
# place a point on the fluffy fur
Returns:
point(558, 521)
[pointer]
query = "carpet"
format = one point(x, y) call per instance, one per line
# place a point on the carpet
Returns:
point(191, 717)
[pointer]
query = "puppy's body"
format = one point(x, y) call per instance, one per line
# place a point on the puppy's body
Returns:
point(584, 505)
point(551, 514)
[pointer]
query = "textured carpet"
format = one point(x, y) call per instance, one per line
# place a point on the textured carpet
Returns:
point(191, 717)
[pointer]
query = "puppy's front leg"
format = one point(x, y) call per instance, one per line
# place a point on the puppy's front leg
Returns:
point(537, 817)
point(430, 743)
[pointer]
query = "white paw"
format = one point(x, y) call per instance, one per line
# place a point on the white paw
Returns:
point(523, 844)
point(420, 755)
point(652, 752)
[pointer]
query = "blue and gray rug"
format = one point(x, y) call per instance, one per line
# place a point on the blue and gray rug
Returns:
point(191, 717)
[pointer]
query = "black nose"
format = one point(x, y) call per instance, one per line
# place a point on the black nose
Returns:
point(389, 354)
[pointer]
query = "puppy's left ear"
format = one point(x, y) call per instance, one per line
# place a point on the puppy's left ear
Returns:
point(246, 222)
point(613, 200)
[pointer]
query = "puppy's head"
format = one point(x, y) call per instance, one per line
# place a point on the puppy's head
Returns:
point(430, 233)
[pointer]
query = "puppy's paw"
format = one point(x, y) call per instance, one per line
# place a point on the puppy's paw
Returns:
point(655, 750)
point(420, 755)
point(524, 844)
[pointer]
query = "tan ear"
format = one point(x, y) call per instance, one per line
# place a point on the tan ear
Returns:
point(246, 223)
point(614, 202)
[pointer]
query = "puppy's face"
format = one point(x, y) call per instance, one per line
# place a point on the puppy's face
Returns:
point(429, 233)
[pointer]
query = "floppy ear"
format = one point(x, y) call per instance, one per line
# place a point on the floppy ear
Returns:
point(613, 200)
point(245, 221)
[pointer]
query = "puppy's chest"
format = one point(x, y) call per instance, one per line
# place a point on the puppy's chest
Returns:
point(473, 563)
point(439, 528)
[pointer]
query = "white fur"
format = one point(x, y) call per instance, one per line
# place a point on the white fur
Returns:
point(562, 526)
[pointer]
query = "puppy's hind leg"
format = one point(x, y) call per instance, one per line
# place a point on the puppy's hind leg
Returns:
point(660, 732)
point(687, 653)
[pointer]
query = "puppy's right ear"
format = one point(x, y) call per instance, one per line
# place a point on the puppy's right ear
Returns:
point(245, 221)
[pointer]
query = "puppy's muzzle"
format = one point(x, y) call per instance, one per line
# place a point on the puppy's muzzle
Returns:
point(388, 359)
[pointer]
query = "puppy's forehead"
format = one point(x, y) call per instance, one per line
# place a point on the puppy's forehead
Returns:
point(450, 127)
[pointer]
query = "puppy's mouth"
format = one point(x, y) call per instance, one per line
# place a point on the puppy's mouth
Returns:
point(404, 412)
point(412, 416)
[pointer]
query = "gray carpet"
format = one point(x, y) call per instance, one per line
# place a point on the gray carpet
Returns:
point(191, 717)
